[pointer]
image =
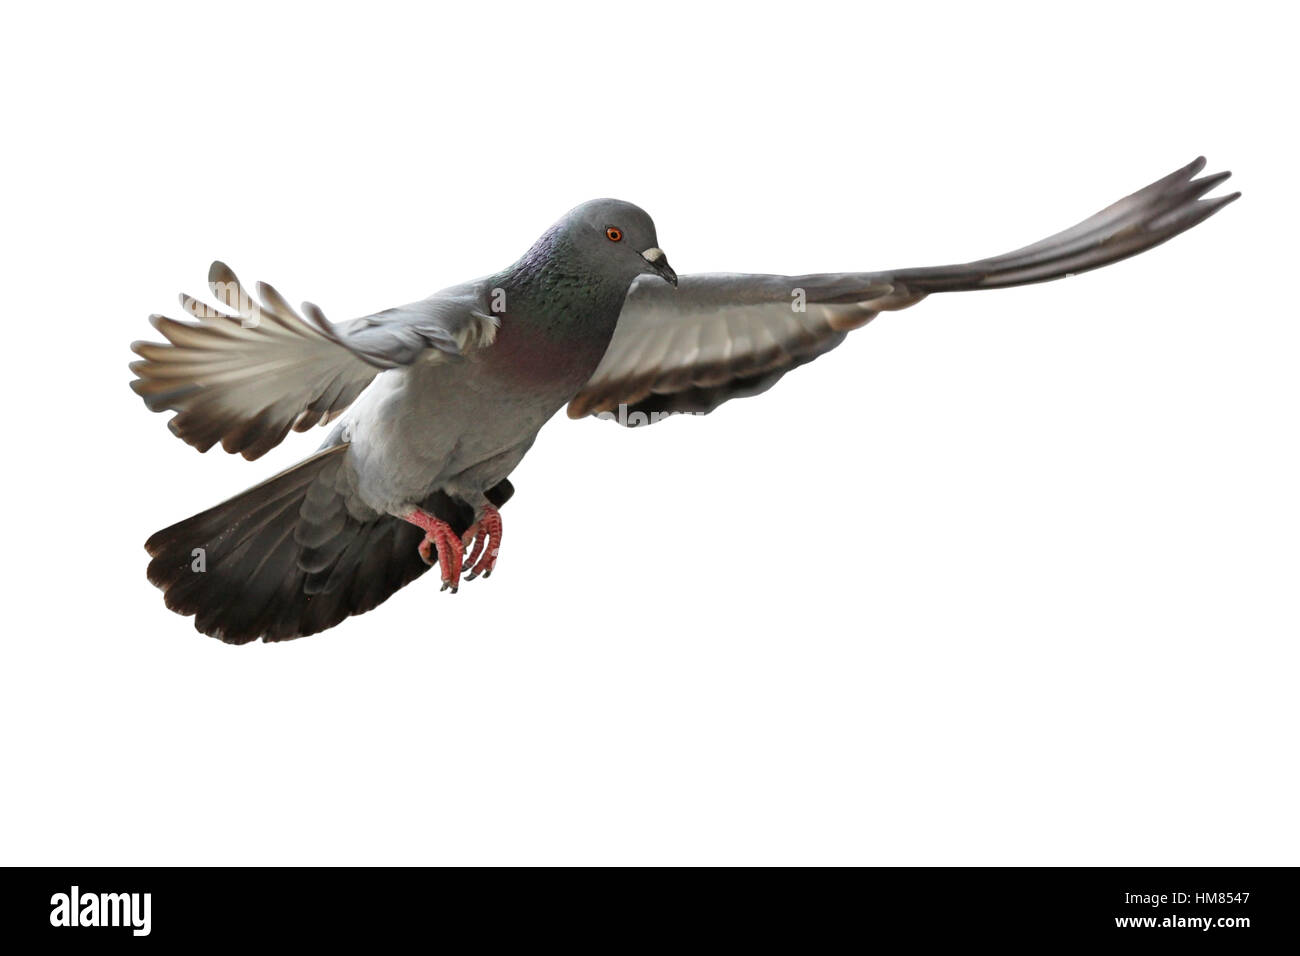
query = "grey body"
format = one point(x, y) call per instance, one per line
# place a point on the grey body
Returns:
point(463, 426)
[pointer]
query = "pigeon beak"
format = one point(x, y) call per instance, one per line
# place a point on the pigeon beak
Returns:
point(659, 262)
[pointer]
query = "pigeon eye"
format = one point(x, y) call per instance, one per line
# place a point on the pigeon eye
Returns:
point(614, 234)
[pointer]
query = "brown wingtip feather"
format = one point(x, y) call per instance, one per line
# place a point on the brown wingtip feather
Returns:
point(218, 271)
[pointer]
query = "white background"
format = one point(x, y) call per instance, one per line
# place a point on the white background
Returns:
point(1008, 578)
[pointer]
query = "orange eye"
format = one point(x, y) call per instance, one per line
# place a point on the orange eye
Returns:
point(614, 234)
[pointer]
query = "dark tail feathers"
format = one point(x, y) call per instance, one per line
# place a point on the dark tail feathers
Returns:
point(287, 558)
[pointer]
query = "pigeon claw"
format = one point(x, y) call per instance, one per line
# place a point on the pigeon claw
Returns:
point(487, 544)
point(440, 538)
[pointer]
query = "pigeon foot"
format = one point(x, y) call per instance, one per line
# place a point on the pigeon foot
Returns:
point(486, 535)
point(439, 536)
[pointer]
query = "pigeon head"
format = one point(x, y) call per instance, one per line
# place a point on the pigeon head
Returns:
point(615, 239)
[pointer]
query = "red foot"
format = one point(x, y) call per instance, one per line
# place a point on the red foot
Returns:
point(438, 534)
point(487, 542)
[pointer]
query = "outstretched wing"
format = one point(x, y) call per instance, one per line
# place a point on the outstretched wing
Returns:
point(245, 374)
point(722, 336)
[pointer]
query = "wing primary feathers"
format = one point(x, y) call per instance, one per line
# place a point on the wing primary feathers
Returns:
point(250, 370)
point(1137, 222)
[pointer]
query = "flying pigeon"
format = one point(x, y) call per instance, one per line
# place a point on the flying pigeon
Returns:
point(438, 401)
